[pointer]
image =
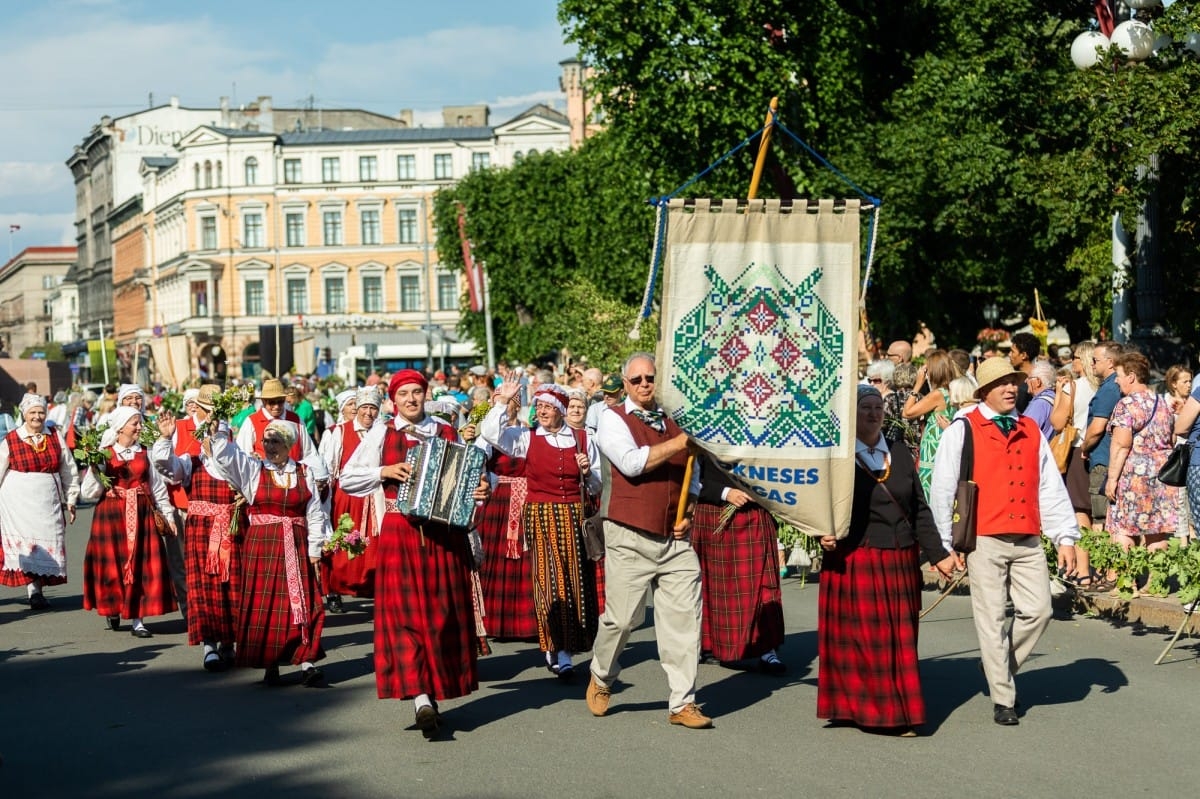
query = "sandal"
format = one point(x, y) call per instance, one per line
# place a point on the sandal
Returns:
point(1100, 585)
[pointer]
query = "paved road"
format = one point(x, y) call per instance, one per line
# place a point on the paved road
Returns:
point(87, 712)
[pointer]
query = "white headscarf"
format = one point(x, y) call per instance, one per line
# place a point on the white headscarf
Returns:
point(127, 389)
point(345, 396)
point(119, 417)
point(32, 400)
point(367, 396)
point(286, 430)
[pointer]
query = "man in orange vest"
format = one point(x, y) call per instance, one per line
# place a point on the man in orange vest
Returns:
point(1021, 495)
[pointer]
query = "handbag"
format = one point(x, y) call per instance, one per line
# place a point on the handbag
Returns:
point(1060, 445)
point(1175, 470)
point(966, 498)
point(591, 529)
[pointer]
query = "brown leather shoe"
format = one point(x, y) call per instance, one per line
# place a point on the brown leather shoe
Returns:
point(597, 697)
point(691, 717)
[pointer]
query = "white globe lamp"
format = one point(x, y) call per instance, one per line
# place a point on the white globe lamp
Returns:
point(1086, 49)
point(1136, 39)
point(1192, 42)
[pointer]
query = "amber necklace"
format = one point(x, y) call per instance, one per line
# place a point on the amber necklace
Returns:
point(37, 442)
point(887, 467)
point(286, 483)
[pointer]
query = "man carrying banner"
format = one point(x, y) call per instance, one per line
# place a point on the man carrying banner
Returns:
point(1021, 494)
point(643, 467)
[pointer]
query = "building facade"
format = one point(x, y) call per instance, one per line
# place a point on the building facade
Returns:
point(328, 231)
point(28, 283)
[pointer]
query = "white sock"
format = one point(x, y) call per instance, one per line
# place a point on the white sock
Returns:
point(549, 658)
point(564, 658)
point(305, 666)
point(33, 588)
point(137, 622)
point(770, 657)
point(208, 649)
point(421, 701)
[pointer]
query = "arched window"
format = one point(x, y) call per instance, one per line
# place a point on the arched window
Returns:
point(208, 174)
point(251, 171)
point(219, 174)
point(197, 171)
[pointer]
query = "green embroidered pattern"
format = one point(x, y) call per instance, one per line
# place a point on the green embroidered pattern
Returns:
point(758, 362)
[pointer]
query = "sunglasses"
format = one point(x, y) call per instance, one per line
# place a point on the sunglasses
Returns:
point(637, 381)
point(875, 380)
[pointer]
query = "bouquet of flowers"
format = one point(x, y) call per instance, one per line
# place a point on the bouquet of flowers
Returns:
point(172, 401)
point(149, 433)
point(225, 407)
point(478, 411)
point(88, 452)
point(992, 335)
point(346, 538)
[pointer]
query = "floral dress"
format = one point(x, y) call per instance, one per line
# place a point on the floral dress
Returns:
point(1144, 506)
point(930, 438)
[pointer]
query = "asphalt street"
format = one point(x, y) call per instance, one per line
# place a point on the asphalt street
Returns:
point(93, 713)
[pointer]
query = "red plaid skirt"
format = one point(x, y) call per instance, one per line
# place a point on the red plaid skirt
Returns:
point(104, 562)
point(424, 618)
point(212, 604)
point(507, 582)
point(870, 603)
point(564, 597)
point(739, 568)
point(266, 635)
point(341, 574)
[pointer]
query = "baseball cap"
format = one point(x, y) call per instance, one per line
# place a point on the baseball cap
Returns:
point(612, 384)
point(478, 371)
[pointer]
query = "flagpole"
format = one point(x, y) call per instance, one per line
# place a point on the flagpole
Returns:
point(755, 178)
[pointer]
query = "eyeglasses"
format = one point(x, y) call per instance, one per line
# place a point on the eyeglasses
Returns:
point(637, 381)
point(875, 380)
point(893, 355)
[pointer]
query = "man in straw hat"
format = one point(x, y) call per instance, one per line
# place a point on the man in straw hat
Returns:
point(1021, 494)
point(274, 408)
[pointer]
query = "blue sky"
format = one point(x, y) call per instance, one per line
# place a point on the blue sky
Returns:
point(68, 62)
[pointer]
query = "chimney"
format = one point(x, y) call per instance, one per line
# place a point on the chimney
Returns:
point(174, 101)
point(406, 117)
point(264, 103)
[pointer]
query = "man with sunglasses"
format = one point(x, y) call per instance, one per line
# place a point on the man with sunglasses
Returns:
point(643, 461)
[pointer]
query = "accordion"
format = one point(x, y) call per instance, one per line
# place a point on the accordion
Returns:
point(444, 478)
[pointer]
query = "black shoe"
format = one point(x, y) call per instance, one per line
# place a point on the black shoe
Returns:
point(566, 673)
point(38, 602)
point(428, 720)
point(141, 632)
point(1005, 716)
point(333, 604)
point(708, 659)
point(272, 677)
point(114, 623)
point(772, 665)
point(312, 677)
point(213, 662)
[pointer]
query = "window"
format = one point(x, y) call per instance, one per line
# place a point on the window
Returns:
point(196, 169)
point(199, 295)
point(447, 287)
point(291, 170)
point(408, 225)
point(410, 292)
point(368, 168)
point(406, 167)
point(331, 225)
point(47, 281)
point(252, 230)
point(442, 167)
point(208, 233)
point(294, 228)
point(218, 174)
point(297, 295)
point(370, 226)
point(372, 286)
point(480, 161)
point(251, 171)
point(335, 294)
point(256, 298)
point(208, 174)
point(331, 170)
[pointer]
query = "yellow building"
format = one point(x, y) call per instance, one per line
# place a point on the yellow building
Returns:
point(327, 231)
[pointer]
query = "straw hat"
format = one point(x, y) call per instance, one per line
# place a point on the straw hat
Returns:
point(993, 371)
point(204, 398)
point(272, 389)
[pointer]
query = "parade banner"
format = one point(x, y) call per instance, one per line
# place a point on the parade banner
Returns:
point(755, 359)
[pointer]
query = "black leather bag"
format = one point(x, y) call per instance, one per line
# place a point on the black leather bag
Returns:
point(591, 529)
point(966, 498)
point(1175, 471)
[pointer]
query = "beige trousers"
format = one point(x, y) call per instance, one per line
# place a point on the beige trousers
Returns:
point(670, 568)
point(1004, 567)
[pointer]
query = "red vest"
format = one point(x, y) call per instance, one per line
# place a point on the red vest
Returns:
point(260, 421)
point(186, 446)
point(649, 501)
point(1007, 471)
point(350, 442)
point(552, 472)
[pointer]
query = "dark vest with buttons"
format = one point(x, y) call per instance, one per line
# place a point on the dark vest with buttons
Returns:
point(552, 472)
point(1007, 470)
point(646, 502)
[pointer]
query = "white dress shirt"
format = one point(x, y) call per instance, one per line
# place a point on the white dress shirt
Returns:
point(91, 489)
point(616, 444)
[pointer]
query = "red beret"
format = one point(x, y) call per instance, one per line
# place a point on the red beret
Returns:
point(406, 377)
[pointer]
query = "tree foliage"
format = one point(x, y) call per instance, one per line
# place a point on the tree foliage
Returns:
point(999, 163)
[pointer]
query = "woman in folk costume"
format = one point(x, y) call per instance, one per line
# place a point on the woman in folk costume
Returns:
point(739, 568)
point(346, 409)
point(280, 616)
point(505, 573)
point(425, 634)
point(125, 572)
point(210, 540)
point(341, 574)
point(870, 598)
point(39, 486)
point(559, 463)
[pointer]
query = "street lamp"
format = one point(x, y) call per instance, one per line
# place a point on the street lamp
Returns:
point(991, 313)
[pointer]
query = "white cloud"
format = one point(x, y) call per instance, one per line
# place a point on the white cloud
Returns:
point(24, 178)
point(37, 230)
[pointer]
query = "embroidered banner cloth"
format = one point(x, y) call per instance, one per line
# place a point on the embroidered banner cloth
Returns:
point(756, 361)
